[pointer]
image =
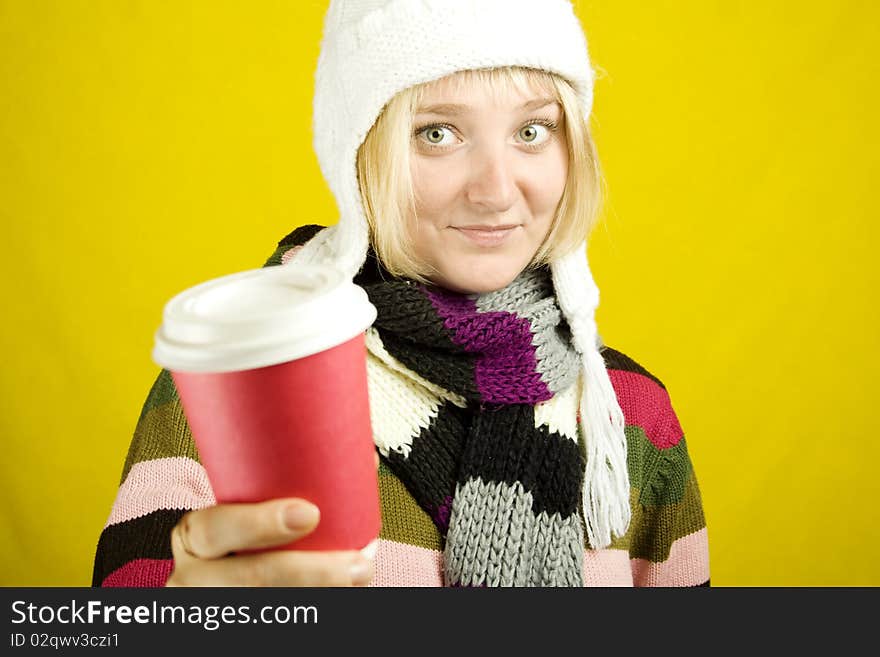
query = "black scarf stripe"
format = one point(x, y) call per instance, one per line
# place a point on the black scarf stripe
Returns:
point(547, 464)
point(429, 471)
point(505, 446)
point(146, 537)
point(407, 312)
point(450, 371)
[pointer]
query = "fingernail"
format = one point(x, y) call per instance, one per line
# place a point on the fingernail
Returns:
point(361, 571)
point(300, 515)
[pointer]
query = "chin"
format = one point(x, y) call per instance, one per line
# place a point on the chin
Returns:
point(485, 286)
point(478, 282)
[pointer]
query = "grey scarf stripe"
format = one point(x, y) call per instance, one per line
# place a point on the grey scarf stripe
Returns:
point(496, 540)
point(530, 297)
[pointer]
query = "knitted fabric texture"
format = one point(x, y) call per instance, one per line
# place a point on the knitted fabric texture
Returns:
point(665, 545)
point(373, 49)
point(500, 483)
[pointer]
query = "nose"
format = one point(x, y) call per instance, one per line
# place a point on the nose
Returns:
point(492, 185)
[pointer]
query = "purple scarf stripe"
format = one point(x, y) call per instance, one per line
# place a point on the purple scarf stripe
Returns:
point(506, 373)
point(441, 514)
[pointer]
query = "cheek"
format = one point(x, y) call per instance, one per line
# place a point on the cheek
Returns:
point(436, 188)
point(554, 176)
point(544, 191)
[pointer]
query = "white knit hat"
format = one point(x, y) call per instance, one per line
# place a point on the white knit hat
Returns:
point(373, 49)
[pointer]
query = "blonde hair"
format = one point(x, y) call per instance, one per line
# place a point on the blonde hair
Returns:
point(386, 185)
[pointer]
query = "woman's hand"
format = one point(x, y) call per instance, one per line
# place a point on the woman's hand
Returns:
point(203, 540)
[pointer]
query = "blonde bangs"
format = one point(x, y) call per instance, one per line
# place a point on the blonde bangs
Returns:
point(385, 183)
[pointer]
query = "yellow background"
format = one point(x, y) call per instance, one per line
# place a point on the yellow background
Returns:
point(147, 146)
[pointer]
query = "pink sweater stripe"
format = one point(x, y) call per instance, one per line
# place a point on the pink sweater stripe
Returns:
point(181, 483)
point(607, 568)
point(647, 405)
point(287, 255)
point(687, 565)
point(399, 564)
point(141, 573)
point(177, 482)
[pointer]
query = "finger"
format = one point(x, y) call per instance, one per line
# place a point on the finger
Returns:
point(180, 548)
point(218, 530)
point(377, 460)
point(279, 568)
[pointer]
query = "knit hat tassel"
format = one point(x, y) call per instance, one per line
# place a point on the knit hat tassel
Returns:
point(606, 479)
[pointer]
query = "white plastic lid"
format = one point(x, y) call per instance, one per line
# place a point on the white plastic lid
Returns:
point(260, 317)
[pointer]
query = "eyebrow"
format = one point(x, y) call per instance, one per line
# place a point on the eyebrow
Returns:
point(454, 109)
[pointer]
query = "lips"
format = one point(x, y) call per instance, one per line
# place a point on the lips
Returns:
point(484, 235)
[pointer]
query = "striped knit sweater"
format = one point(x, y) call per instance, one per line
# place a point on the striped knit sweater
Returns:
point(666, 544)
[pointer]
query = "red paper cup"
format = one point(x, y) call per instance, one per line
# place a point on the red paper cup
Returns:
point(270, 365)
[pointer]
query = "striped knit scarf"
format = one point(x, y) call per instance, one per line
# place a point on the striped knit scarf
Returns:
point(474, 401)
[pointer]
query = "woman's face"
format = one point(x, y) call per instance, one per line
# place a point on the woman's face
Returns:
point(488, 172)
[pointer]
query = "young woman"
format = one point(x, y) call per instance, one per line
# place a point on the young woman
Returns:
point(514, 448)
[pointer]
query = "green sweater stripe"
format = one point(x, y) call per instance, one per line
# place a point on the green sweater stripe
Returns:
point(162, 432)
point(403, 520)
point(661, 474)
point(162, 392)
point(656, 528)
point(275, 258)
